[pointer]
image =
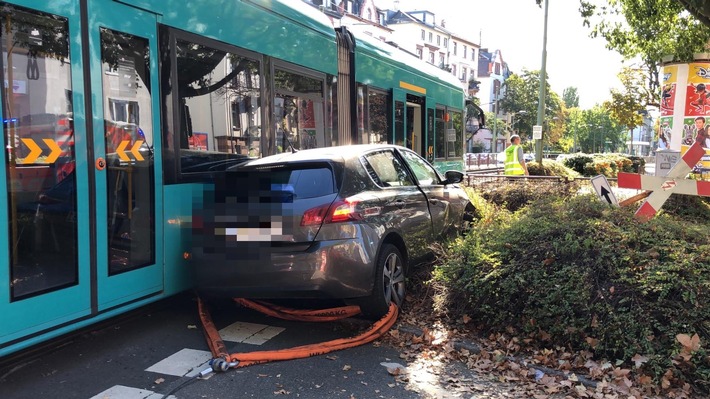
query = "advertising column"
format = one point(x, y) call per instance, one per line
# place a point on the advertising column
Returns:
point(685, 110)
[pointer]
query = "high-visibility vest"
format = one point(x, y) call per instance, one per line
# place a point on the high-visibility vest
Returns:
point(512, 164)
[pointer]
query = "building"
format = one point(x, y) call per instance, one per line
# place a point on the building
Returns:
point(419, 33)
point(492, 73)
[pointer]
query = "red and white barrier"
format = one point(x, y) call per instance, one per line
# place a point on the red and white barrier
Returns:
point(663, 187)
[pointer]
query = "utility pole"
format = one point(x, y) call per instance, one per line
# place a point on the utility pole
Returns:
point(495, 122)
point(541, 97)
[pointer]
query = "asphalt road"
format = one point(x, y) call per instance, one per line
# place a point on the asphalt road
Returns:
point(155, 351)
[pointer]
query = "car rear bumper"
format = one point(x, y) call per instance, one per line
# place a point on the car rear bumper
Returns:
point(326, 269)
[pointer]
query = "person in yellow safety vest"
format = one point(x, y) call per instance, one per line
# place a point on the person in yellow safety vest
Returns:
point(514, 160)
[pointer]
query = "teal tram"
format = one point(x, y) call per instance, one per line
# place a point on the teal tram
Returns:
point(117, 113)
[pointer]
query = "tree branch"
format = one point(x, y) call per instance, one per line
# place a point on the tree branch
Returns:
point(700, 9)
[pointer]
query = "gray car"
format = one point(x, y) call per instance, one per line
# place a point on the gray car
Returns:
point(337, 222)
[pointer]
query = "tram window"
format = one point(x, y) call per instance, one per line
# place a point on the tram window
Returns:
point(456, 147)
point(440, 133)
point(378, 116)
point(128, 117)
point(299, 111)
point(220, 107)
point(449, 124)
point(41, 191)
point(398, 123)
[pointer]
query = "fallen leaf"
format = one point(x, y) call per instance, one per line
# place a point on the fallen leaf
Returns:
point(191, 326)
point(690, 343)
point(331, 357)
point(281, 392)
point(639, 360)
point(465, 319)
point(346, 367)
point(160, 380)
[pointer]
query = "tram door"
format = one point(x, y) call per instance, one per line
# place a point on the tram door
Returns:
point(45, 274)
point(126, 144)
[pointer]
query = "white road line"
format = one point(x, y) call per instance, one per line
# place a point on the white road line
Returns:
point(123, 392)
point(249, 333)
point(187, 362)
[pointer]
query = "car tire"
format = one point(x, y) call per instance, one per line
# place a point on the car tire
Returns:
point(389, 283)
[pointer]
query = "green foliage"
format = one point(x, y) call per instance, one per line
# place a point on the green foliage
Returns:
point(649, 30)
point(608, 165)
point(592, 277)
point(551, 168)
point(522, 94)
point(571, 97)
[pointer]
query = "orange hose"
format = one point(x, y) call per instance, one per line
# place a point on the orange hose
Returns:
point(284, 313)
point(218, 348)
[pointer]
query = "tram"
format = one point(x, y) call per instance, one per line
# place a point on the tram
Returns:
point(118, 113)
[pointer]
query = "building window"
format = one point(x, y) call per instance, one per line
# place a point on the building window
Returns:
point(419, 53)
point(441, 59)
point(453, 70)
point(463, 73)
point(369, 14)
point(455, 48)
point(431, 37)
point(497, 68)
point(423, 35)
point(431, 58)
point(438, 40)
point(473, 55)
point(465, 51)
point(446, 42)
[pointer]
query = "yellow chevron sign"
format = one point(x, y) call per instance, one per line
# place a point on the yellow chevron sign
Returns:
point(121, 150)
point(36, 151)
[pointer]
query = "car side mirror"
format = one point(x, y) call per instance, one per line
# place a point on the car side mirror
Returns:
point(453, 176)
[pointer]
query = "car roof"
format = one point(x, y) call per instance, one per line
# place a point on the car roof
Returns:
point(336, 153)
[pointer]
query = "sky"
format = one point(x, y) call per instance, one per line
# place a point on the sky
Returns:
point(516, 28)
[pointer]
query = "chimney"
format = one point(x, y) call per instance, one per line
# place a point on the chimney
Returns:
point(396, 5)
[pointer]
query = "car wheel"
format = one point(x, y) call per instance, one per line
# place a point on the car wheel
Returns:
point(389, 283)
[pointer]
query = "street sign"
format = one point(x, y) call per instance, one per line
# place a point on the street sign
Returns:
point(601, 186)
point(664, 186)
point(537, 132)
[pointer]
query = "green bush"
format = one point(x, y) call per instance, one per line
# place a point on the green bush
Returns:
point(585, 273)
point(578, 162)
point(551, 168)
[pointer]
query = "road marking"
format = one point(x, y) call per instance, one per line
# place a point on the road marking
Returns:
point(123, 392)
point(249, 333)
point(187, 362)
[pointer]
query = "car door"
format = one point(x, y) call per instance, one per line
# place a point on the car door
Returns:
point(403, 203)
point(443, 200)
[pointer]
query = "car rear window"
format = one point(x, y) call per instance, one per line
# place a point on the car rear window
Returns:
point(301, 182)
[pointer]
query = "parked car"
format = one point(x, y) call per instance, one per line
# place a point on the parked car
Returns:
point(338, 222)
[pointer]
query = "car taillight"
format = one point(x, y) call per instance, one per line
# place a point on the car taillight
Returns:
point(315, 216)
point(343, 211)
point(338, 211)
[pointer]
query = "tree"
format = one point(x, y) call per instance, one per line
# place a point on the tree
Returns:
point(521, 94)
point(626, 105)
point(571, 97)
point(650, 30)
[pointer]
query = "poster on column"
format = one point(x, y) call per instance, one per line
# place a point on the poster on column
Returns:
point(697, 111)
point(668, 90)
point(664, 133)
